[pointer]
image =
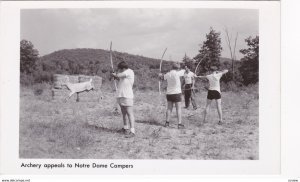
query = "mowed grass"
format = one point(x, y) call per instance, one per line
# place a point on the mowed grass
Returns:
point(73, 130)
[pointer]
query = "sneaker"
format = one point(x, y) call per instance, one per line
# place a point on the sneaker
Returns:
point(124, 131)
point(181, 126)
point(130, 135)
point(167, 124)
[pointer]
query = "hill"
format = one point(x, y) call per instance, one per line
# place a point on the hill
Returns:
point(98, 58)
point(97, 62)
point(68, 60)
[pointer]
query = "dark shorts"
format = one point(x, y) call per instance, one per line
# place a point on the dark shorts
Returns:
point(174, 97)
point(213, 94)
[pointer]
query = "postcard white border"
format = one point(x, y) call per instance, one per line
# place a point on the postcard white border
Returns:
point(269, 96)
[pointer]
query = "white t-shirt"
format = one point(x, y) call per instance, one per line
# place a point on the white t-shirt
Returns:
point(188, 77)
point(214, 81)
point(173, 79)
point(125, 84)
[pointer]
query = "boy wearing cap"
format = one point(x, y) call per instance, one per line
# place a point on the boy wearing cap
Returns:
point(125, 97)
point(173, 92)
point(214, 92)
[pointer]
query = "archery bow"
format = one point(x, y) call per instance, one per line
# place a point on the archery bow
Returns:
point(199, 64)
point(112, 65)
point(161, 59)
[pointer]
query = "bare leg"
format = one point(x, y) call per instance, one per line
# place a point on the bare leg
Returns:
point(129, 110)
point(193, 99)
point(169, 111)
point(178, 111)
point(124, 114)
point(219, 107)
point(67, 98)
point(208, 102)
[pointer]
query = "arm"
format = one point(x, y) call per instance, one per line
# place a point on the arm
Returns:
point(121, 75)
point(183, 83)
point(181, 72)
point(118, 75)
point(224, 72)
point(200, 76)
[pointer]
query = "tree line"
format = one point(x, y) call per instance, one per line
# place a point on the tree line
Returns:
point(38, 69)
point(246, 69)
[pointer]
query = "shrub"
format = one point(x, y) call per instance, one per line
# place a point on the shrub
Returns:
point(43, 76)
point(38, 90)
point(253, 89)
point(26, 79)
point(230, 86)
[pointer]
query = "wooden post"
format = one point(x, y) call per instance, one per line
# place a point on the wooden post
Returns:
point(77, 100)
point(52, 93)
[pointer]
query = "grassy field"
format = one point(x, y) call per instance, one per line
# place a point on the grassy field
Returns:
point(52, 129)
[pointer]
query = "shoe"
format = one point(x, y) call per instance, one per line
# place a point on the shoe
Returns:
point(130, 135)
point(124, 131)
point(195, 108)
point(220, 123)
point(167, 124)
point(181, 126)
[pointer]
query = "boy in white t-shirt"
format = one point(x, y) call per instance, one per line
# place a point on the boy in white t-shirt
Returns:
point(173, 92)
point(214, 92)
point(125, 97)
point(189, 92)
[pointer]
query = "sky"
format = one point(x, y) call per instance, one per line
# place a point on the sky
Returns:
point(145, 32)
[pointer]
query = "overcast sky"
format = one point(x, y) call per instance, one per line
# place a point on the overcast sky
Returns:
point(144, 32)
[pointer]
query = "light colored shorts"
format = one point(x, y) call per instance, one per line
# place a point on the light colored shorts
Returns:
point(123, 101)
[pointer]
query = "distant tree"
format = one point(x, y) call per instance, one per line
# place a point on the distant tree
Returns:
point(232, 52)
point(187, 61)
point(28, 57)
point(210, 51)
point(250, 62)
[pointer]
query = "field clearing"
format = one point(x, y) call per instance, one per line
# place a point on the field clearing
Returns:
point(88, 130)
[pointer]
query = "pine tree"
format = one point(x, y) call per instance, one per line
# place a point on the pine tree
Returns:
point(210, 52)
point(250, 62)
point(187, 61)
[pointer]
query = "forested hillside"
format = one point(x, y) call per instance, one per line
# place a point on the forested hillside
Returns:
point(97, 62)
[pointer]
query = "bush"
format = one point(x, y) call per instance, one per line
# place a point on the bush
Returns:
point(230, 86)
point(252, 89)
point(26, 79)
point(38, 89)
point(36, 77)
point(43, 76)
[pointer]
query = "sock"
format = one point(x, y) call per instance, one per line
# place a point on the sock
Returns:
point(126, 127)
point(132, 130)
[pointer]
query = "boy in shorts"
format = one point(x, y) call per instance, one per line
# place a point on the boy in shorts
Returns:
point(173, 92)
point(125, 97)
point(214, 92)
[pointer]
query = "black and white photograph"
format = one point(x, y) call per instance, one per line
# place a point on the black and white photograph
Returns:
point(140, 88)
point(157, 83)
